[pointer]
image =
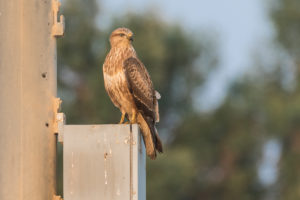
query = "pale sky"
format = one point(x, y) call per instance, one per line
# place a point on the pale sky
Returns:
point(240, 26)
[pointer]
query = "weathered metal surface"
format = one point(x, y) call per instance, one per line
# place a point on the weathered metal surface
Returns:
point(58, 27)
point(104, 162)
point(55, 197)
point(60, 124)
point(28, 86)
point(59, 117)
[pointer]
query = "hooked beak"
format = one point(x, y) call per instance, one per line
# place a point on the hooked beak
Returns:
point(130, 37)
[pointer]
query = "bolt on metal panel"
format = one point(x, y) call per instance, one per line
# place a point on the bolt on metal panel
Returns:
point(104, 162)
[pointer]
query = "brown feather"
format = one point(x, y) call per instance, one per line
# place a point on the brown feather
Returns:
point(158, 144)
point(147, 136)
point(139, 82)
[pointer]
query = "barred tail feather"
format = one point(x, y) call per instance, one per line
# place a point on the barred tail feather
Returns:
point(147, 136)
point(158, 143)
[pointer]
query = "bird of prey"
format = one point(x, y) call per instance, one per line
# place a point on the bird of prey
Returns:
point(130, 88)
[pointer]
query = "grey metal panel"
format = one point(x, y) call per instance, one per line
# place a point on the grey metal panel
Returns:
point(139, 169)
point(103, 162)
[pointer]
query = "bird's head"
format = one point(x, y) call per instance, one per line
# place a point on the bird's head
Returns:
point(121, 37)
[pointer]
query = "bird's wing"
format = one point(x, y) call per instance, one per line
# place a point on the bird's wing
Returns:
point(140, 85)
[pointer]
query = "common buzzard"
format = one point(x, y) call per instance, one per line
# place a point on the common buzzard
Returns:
point(130, 88)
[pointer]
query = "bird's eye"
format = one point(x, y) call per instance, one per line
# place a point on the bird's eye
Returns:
point(122, 34)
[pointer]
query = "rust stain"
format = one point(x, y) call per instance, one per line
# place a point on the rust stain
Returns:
point(105, 155)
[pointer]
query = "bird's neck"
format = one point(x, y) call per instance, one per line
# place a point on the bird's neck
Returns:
point(116, 56)
point(123, 51)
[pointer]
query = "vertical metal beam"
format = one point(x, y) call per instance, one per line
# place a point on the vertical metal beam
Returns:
point(28, 87)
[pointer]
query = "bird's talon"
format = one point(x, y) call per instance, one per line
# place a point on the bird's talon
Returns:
point(122, 118)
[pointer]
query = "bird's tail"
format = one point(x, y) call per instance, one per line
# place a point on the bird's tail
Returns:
point(150, 136)
point(158, 143)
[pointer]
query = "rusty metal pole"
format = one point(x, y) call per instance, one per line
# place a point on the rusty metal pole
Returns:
point(27, 100)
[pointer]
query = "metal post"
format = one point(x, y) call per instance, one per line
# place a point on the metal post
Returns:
point(27, 93)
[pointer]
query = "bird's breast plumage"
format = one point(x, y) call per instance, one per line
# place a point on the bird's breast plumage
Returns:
point(114, 78)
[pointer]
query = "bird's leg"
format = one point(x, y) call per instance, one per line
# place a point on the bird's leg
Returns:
point(122, 118)
point(133, 117)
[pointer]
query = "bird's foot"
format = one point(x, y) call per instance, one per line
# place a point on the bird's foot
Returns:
point(122, 118)
point(133, 118)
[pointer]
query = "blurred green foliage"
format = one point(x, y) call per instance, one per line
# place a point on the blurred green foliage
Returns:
point(286, 17)
point(212, 155)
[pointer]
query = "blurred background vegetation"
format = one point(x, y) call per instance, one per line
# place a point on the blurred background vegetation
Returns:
point(246, 148)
